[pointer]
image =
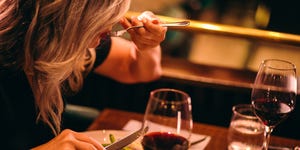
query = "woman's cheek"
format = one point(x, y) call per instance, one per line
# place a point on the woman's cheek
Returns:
point(95, 43)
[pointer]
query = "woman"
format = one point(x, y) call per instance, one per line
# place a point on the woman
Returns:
point(46, 49)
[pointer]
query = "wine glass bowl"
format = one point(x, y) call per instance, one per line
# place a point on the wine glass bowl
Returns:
point(168, 116)
point(273, 94)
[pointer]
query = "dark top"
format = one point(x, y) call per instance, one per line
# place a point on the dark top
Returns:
point(19, 128)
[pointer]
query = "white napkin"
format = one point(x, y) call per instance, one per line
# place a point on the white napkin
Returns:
point(134, 124)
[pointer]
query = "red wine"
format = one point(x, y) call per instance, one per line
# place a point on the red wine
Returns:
point(271, 112)
point(164, 141)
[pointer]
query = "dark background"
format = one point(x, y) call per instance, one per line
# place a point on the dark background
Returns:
point(210, 104)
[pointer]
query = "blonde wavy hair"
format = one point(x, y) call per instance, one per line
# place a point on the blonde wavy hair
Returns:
point(54, 50)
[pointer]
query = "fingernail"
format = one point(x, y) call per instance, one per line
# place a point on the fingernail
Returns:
point(155, 21)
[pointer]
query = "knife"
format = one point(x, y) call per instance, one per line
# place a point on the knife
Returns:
point(119, 144)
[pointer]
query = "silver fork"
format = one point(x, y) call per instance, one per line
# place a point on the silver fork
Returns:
point(167, 24)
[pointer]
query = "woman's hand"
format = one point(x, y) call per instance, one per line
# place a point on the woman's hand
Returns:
point(71, 140)
point(151, 35)
point(137, 60)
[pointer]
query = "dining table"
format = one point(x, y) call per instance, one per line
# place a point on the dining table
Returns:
point(116, 119)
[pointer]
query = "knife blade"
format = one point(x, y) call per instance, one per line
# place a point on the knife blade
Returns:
point(126, 140)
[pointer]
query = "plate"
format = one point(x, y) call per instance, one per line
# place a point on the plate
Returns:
point(103, 137)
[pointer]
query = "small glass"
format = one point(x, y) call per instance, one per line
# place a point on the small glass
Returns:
point(246, 132)
point(169, 118)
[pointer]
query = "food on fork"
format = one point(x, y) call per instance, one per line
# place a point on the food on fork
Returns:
point(147, 15)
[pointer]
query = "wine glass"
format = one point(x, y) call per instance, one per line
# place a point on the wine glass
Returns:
point(274, 94)
point(169, 118)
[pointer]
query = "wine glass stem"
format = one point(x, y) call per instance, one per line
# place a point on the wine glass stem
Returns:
point(267, 134)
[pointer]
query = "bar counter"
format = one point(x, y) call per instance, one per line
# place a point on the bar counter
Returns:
point(115, 120)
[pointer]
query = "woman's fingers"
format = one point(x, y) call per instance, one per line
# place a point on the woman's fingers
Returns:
point(125, 23)
point(79, 145)
point(71, 140)
point(149, 30)
point(149, 36)
point(88, 140)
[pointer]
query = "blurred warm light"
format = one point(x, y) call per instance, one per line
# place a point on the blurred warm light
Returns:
point(210, 27)
point(262, 16)
point(275, 34)
point(229, 30)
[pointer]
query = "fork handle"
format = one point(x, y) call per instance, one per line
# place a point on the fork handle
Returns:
point(168, 24)
point(175, 24)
